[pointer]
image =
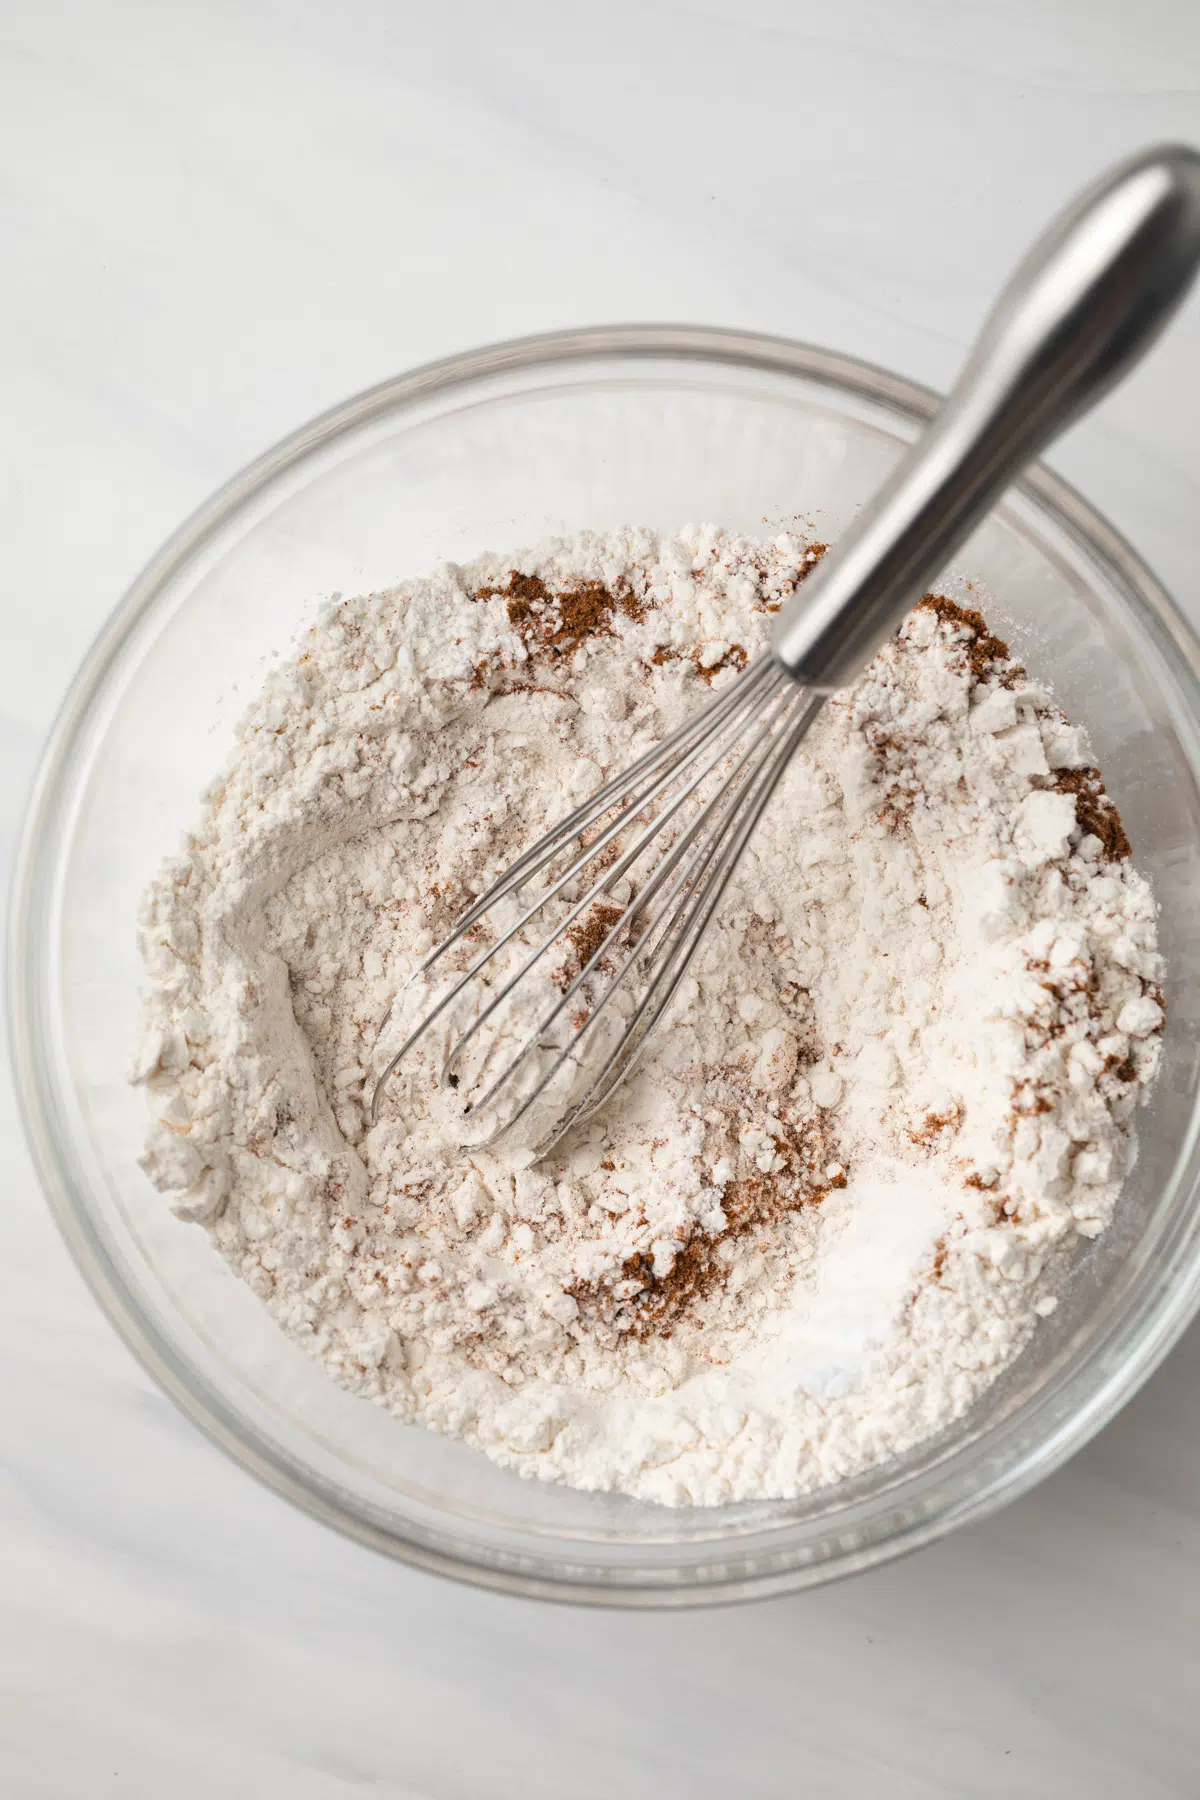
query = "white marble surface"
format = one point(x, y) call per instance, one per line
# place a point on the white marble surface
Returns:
point(216, 217)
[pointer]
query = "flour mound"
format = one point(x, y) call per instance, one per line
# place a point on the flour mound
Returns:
point(896, 1087)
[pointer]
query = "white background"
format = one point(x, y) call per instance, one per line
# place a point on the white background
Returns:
point(216, 218)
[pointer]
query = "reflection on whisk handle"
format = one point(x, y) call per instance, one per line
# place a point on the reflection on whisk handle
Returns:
point(1087, 302)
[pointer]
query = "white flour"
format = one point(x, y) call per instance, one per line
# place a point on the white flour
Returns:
point(897, 1085)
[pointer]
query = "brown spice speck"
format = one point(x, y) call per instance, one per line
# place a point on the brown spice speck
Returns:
point(751, 1205)
point(1094, 810)
point(983, 649)
point(555, 624)
point(934, 1124)
point(585, 938)
point(771, 603)
point(1123, 1069)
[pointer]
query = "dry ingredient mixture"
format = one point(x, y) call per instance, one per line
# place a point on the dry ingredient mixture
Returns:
point(897, 1086)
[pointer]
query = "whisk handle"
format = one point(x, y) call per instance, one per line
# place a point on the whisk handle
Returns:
point(1089, 299)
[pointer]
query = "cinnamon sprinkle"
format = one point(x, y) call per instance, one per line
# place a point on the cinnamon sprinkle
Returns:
point(635, 1302)
point(586, 938)
point(1095, 811)
point(983, 650)
point(555, 624)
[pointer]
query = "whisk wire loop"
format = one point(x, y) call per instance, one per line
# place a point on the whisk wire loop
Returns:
point(656, 770)
point(762, 706)
point(690, 844)
point(743, 797)
point(607, 880)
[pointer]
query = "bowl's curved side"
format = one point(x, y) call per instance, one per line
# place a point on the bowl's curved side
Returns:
point(961, 1485)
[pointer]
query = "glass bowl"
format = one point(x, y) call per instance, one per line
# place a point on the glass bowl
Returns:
point(494, 450)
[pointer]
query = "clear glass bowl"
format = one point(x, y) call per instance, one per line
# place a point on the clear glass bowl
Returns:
point(492, 451)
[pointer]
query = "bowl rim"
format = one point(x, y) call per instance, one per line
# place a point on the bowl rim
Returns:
point(1163, 1322)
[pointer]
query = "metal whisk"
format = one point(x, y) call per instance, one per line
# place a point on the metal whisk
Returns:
point(593, 928)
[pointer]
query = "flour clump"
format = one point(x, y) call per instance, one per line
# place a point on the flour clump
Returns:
point(895, 1089)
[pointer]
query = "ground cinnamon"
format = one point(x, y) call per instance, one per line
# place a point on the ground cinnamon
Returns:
point(554, 623)
point(1094, 810)
point(983, 650)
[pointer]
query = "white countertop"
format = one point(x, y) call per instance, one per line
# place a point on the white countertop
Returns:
point(216, 218)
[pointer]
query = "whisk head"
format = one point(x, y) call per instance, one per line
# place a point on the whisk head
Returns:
point(573, 956)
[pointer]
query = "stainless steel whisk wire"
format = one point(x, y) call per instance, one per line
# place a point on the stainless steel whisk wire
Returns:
point(1089, 299)
point(712, 842)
